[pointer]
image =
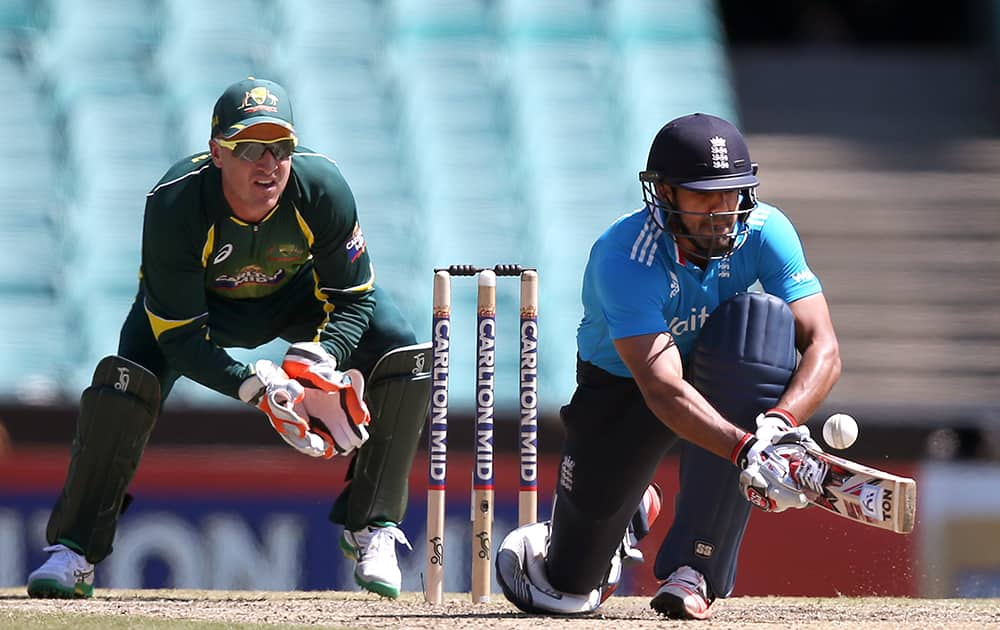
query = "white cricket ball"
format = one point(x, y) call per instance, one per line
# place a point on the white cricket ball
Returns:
point(840, 430)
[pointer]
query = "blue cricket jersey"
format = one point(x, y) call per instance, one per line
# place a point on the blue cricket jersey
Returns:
point(638, 282)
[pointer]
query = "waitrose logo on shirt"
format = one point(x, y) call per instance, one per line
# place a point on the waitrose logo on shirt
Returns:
point(691, 323)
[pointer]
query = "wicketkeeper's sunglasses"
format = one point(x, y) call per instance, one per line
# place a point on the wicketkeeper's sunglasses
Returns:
point(253, 150)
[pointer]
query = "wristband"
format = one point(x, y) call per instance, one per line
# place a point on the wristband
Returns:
point(739, 454)
point(785, 415)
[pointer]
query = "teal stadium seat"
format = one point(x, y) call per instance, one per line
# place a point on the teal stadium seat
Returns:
point(111, 179)
point(453, 121)
point(27, 129)
point(204, 48)
point(108, 29)
point(19, 22)
point(671, 21)
point(96, 47)
point(100, 317)
point(662, 81)
point(16, 14)
point(396, 238)
point(672, 62)
point(437, 19)
point(317, 32)
point(552, 20)
point(352, 120)
point(37, 348)
point(32, 264)
point(116, 141)
point(106, 255)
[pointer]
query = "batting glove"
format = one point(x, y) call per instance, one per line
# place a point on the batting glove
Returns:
point(774, 423)
point(281, 399)
point(766, 479)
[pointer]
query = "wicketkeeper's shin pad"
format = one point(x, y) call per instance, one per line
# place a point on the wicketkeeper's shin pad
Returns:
point(742, 362)
point(117, 414)
point(398, 394)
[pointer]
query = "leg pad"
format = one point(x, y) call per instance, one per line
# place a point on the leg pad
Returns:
point(117, 414)
point(398, 395)
point(741, 364)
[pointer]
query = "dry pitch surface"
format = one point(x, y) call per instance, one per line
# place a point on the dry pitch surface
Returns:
point(244, 609)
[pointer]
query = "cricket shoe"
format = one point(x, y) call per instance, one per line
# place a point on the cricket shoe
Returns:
point(684, 595)
point(374, 549)
point(65, 575)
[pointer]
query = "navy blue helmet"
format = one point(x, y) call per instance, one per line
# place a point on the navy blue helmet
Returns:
point(702, 153)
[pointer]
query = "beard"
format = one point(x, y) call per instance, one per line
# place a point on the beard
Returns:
point(705, 244)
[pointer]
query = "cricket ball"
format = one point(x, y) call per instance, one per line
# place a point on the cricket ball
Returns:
point(840, 430)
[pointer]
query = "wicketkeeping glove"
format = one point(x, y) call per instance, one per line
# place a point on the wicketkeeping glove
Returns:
point(333, 399)
point(280, 398)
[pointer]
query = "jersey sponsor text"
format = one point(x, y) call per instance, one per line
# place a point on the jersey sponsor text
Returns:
point(693, 322)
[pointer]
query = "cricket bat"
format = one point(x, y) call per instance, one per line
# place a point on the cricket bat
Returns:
point(867, 495)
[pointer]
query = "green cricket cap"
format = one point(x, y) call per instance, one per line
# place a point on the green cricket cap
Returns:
point(251, 102)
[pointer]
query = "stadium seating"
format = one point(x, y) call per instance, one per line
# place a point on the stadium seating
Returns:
point(471, 131)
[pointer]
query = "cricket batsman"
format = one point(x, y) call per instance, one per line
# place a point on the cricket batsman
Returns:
point(673, 347)
point(255, 239)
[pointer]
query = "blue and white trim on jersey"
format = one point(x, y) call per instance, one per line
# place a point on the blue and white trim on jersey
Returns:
point(646, 243)
point(638, 281)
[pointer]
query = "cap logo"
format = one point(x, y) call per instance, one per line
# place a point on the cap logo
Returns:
point(259, 99)
point(720, 153)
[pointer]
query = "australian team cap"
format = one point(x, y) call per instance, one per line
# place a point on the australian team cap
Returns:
point(251, 102)
point(701, 152)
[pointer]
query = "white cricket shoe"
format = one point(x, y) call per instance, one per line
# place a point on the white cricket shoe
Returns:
point(374, 549)
point(65, 575)
point(684, 595)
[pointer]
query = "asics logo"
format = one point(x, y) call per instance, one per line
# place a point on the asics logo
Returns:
point(83, 575)
point(223, 254)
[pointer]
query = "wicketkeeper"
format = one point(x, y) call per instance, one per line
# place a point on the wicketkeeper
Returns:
point(256, 239)
point(672, 347)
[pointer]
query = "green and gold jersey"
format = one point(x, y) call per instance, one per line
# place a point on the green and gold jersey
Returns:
point(211, 280)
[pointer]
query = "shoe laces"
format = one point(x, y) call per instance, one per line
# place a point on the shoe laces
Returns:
point(689, 577)
point(376, 541)
point(66, 553)
point(66, 556)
